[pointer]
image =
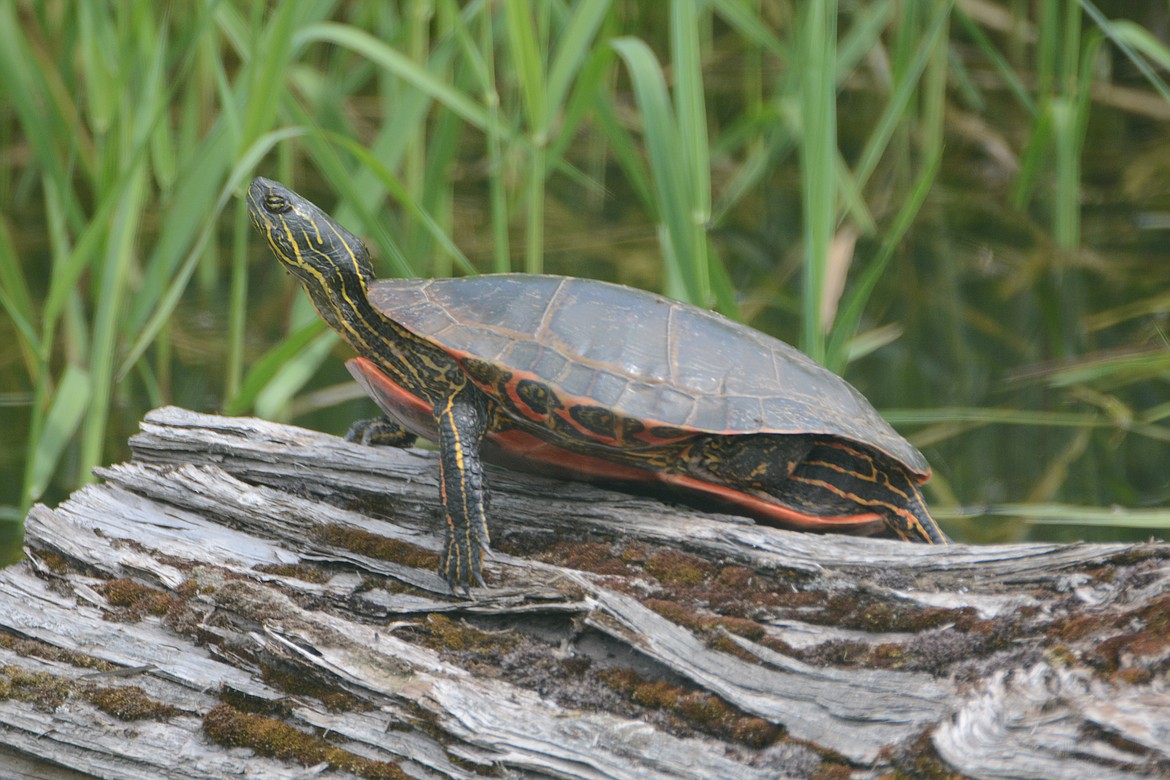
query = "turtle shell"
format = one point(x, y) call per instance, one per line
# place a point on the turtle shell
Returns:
point(668, 365)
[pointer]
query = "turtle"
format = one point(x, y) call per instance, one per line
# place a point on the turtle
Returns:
point(597, 381)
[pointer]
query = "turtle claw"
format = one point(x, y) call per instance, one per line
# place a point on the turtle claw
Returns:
point(461, 564)
point(458, 591)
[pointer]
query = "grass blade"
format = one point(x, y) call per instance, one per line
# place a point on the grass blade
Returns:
point(572, 50)
point(694, 153)
point(385, 56)
point(70, 402)
point(818, 157)
point(855, 299)
point(118, 258)
point(15, 296)
point(290, 376)
point(527, 59)
point(265, 370)
point(1070, 514)
point(661, 136)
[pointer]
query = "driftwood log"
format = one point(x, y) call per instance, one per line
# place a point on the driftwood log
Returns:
point(246, 599)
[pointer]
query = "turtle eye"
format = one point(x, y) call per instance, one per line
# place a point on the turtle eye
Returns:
point(276, 204)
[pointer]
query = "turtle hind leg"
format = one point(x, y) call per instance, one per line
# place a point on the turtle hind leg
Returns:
point(846, 471)
point(911, 520)
point(817, 478)
point(380, 432)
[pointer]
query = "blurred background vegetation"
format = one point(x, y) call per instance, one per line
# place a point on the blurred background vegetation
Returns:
point(963, 207)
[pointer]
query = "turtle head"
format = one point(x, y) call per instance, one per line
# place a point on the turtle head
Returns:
point(326, 257)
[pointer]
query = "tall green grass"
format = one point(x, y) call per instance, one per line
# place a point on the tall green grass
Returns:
point(132, 127)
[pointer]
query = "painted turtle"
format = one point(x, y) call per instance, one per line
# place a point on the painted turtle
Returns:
point(596, 381)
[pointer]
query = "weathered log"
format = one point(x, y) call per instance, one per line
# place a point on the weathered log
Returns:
point(290, 575)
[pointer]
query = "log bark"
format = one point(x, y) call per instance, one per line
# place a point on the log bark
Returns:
point(282, 581)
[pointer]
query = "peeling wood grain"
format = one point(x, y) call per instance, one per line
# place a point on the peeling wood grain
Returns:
point(854, 714)
point(1033, 723)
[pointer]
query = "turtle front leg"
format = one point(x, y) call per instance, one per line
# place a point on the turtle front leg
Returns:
point(380, 432)
point(461, 420)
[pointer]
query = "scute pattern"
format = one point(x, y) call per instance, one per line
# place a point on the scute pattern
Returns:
point(640, 356)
